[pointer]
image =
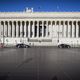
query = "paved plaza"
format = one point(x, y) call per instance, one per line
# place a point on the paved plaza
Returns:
point(39, 63)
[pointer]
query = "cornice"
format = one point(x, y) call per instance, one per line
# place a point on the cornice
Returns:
point(39, 15)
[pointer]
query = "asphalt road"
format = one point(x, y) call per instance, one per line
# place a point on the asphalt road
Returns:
point(39, 63)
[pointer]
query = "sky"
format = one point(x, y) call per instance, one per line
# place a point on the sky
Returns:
point(40, 5)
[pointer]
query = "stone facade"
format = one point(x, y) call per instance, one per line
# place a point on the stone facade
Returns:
point(40, 28)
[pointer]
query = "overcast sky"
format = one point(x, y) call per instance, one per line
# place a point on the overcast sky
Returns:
point(40, 5)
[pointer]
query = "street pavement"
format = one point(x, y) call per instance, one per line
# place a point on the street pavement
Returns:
point(39, 63)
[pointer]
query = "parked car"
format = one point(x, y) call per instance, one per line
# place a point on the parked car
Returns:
point(22, 46)
point(64, 46)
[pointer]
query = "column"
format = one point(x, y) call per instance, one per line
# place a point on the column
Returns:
point(33, 30)
point(10, 23)
point(54, 29)
point(2, 25)
point(58, 24)
point(13, 29)
point(66, 25)
point(38, 29)
point(64, 29)
point(60, 29)
point(42, 28)
point(57, 29)
point(9, 29)
point(70, 23)
point(21, 29)
point(77, 29)
point(73, 27)
point(46, 28)
point(5, 29)
point(51, 31)
point(27, 24)
point(1, 30)
point(69, 29)
point(24, 28)
point(23, 23)
point(17, 29)
point(29, 30)
point(31, 23)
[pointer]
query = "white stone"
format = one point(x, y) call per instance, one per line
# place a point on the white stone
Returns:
point(54, 32)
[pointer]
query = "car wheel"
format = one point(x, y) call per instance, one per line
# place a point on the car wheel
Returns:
point(68, 46)
point(18, 46)
point(26, 46)
point(60, 46)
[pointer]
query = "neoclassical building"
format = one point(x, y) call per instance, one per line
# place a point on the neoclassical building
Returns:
point(40, 28)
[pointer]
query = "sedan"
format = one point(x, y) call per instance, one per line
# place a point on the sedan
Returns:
point(64, 46)
point(22, 46)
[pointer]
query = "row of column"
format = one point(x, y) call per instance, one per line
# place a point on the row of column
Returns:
point(23, 29)
point(40, 29)
point(66, 29)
